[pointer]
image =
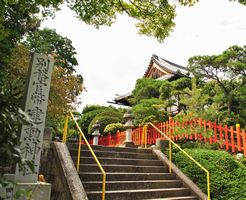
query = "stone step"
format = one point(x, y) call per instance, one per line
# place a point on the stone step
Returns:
point(139, 194)
point(128, 185)
point(177, 198)
point(119, 161)
point(97, 176)
point(74, 146)
point(123, 168)
point(115, 154)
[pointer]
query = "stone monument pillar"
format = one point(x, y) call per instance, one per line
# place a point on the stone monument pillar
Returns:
point(128, 126)
point(36, 102)
point(96, 133)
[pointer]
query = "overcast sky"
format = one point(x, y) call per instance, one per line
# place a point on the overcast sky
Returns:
point(111, 59)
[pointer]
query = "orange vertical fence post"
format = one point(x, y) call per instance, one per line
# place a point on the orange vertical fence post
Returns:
point(205, 129)
point(226, 137)
point(221, 134)
point(215, 132)
point(244, 142)
point(232, 139)
point(210, 127)
point(200, 125)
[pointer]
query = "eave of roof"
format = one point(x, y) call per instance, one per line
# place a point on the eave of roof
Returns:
point(168, 66)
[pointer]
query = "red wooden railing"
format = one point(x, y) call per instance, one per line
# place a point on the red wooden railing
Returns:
point(229, 138)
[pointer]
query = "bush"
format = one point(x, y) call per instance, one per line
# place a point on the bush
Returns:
point(227, 175)
point(90, 112)
point(113, 128)
point(105, 118)
point(86, 119)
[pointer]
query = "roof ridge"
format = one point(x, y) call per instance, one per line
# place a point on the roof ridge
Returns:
point(169, 62)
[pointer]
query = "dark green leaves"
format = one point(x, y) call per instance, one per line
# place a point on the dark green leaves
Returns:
point(49, 42)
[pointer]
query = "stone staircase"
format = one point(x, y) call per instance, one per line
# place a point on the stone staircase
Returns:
point(130, 174)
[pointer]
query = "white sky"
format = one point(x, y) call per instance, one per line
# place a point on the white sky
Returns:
point(111, 59)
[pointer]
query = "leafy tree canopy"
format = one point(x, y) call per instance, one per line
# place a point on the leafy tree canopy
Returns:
point(65, 85)
point(227, 69)
point(88, 114)
point(146, 88)
point(90, 108)
point(193, 99)
point(149, 110)
point(47, 41)
point(170, 92)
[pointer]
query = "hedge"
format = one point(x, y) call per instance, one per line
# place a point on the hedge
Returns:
point(228, 176)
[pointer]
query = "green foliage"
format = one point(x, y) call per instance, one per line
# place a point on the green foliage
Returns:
point(154, 18)
point(88, 114)
point(90, 108)
point(104, 118)
point(227, 174)
point(193, 99)
point(113, 128)
point(165, 90)
point(242, 2)
point(227, 69)
point(10, 118)
point(145, 89)
point(187, 144)
point(19, 19)
point(47, 41)
point(190, 130)
point(149, 110)
point(170, 92)
point(174, 88)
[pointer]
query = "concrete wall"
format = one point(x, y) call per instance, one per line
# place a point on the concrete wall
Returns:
point(58, 169)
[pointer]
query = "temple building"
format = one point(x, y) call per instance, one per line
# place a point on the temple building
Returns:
point(160, 69)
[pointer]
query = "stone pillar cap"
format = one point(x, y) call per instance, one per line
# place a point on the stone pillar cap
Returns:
point(96, 125)
point(128, 115)
point(96, 133)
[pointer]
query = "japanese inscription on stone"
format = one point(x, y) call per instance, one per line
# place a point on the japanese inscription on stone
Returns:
point(35, 106)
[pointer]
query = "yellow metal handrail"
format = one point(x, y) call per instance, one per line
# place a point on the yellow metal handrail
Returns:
point(81, 134)
point(170, 155)
point(144, 137)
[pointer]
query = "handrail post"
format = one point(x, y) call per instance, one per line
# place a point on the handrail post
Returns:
point(103, 186)
point(145, 138)
point(170, 157)
point(170, 145)
point(208, 185)
point(64, 136)
point(79, 150)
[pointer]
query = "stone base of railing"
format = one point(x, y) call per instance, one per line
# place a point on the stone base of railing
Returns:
point(128, 144)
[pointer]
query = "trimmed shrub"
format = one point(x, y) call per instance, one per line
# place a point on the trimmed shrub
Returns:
point(105, 118)
point(227, 175)
point(113, 128)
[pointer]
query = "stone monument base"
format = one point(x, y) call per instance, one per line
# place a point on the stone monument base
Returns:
point(128, 144)
point(32, 191)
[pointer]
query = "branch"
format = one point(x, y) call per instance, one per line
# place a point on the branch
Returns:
point(123, 7)
point(138, 7)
